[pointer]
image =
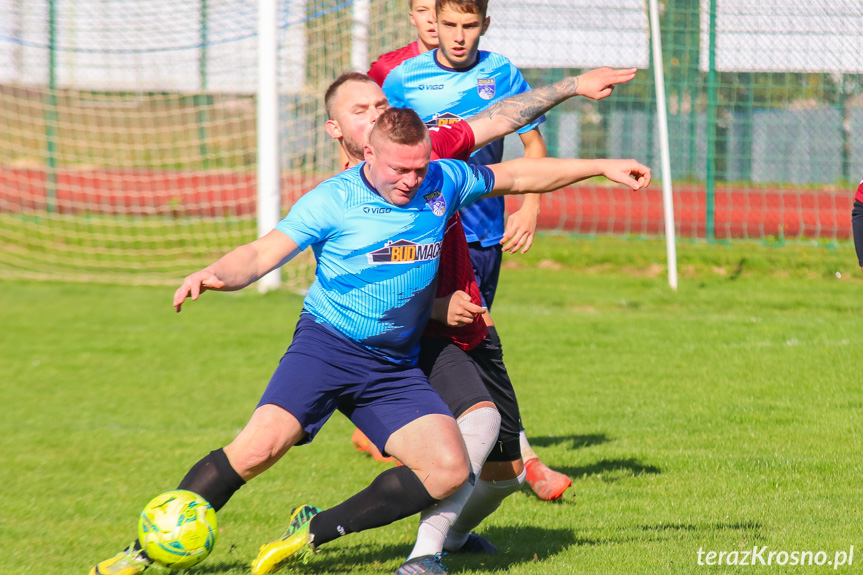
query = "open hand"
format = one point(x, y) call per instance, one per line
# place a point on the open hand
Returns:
point(196, 284)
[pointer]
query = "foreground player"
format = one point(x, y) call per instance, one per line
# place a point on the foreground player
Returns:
point(368, 329)
point(456, 353)
point(857, 224)
point(465, 81)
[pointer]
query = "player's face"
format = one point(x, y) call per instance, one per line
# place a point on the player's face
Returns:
point(396, 170)
point(458, 35)
point(422, 18)
point(357, 107)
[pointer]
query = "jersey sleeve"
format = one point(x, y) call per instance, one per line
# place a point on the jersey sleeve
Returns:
point(394, 89)
point(519, 86)
point(471, 182)
point(378, 71)
point(315, 217)
point(452, 141)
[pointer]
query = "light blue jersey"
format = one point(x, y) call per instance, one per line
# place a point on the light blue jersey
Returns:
point(375, 278)
point(443, 95)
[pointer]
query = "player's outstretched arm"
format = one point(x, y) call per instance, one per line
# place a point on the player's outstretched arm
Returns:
point(517, 111)
point(526, 175)
point(239, 267)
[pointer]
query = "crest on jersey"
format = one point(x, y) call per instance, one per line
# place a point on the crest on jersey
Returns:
point(444, 119)
point(436, 202)
point(404, 252)
point(485, 88)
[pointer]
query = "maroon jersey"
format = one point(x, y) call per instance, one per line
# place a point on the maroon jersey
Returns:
point(385, 63)
point(456, 141)
point(456, 273)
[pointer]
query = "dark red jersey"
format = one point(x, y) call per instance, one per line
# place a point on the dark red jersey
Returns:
point(456, 273)
point(456, 141)
point(385, 63)
point(859, 196)
point(452, 141)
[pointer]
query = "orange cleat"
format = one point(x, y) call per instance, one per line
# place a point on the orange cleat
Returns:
point(362, 443)
point(547, 483)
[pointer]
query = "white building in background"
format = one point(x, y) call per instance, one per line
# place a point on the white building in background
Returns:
point(569, 33)
point(785, 36)
point(150, 45)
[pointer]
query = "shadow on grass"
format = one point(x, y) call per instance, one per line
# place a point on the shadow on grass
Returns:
point(574, 441)
point(216, 567)
point(610, 470)
point(752, 527)
point(516, 545)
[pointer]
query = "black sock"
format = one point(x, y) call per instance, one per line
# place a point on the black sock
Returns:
point(394, 494)
point(213, 478)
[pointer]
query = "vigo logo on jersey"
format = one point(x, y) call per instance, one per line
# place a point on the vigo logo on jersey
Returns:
point(443, 120)
point(404, 252)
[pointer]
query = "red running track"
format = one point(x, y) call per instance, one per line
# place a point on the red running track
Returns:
point(739, 212)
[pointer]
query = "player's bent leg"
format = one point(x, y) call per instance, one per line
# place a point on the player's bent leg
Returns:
point(432, 447)
point(498, 480)
point(270, 433)
point(479, 427)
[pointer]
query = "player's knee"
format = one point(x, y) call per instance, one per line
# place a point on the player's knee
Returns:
point(251, 458)
point(452, 470)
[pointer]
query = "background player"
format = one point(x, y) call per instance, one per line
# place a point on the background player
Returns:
point(422, 17)
point(469, 80)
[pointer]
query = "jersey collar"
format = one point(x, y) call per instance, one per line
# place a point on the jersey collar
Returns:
point(456, 70)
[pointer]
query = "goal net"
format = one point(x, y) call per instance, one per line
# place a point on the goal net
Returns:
point(128, 141)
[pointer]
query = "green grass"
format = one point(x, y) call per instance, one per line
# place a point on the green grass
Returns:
point(720, 417)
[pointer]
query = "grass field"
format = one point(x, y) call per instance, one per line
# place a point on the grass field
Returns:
point(721, 417)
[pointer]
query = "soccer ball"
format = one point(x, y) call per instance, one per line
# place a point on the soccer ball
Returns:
point(177, 529)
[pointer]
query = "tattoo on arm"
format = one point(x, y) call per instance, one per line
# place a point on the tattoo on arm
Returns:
point(524, 108)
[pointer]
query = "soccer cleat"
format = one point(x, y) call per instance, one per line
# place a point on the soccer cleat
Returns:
point(477, 544)
point(547, 483)
point(422, 564)
point(295, 545)
point(362, 443)
point(128, 562)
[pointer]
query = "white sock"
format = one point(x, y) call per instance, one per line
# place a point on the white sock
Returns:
point(527, 451)
point(486, 497)
point(479, 429)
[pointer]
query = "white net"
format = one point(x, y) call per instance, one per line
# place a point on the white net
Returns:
point(128, 145)
point(127, 127)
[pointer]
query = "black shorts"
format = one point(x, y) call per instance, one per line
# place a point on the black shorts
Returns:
point(453, 374)
point(857, 228)
point(465, 378)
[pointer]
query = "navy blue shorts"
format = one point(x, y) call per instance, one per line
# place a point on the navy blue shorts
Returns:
point(323, 371)
point(486, 266)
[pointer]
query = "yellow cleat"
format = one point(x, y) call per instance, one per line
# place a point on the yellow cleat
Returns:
point(128, 562)
point(294, 545)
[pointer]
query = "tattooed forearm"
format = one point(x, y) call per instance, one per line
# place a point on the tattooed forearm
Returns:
point(524, 108)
